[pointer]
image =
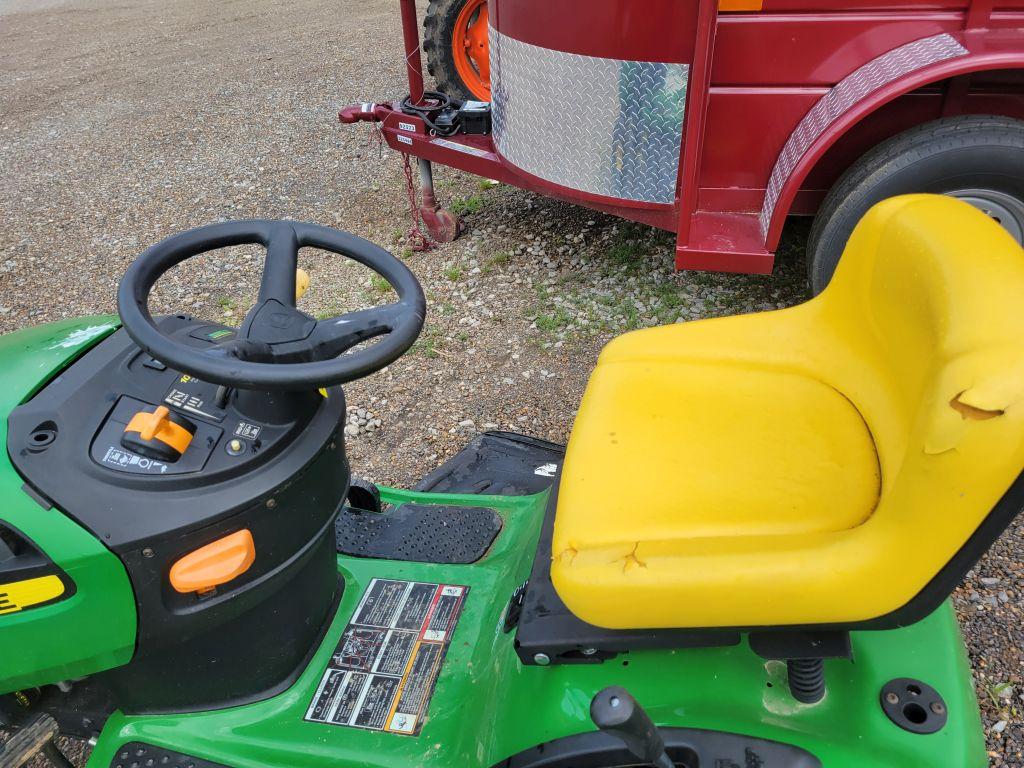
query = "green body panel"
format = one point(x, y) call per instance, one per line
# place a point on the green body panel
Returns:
point(488, 706)
point(94, 629)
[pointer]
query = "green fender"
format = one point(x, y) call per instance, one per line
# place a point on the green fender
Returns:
point(94, 628)
point(488, 706)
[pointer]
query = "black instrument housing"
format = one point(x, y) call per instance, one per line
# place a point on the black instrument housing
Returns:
point(248, 638)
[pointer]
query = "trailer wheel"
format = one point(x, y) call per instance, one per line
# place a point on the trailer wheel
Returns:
point(455, 41)
point(977, 158)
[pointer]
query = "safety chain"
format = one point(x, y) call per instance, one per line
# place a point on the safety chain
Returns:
point(416, 239)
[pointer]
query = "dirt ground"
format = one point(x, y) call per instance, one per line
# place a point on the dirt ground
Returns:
point(124, 122)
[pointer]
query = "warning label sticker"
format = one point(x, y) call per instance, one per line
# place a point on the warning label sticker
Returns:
point(466, 148)
point(384, 670)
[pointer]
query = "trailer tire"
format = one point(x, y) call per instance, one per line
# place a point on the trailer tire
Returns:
point(439, 28)
point(978, 158)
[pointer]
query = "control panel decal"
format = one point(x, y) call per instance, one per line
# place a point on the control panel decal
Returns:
point(384, 670)
point(122, 459)
point(194, 396)
point(111, 448)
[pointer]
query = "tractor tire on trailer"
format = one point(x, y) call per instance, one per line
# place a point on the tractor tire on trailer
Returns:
point(978, 158)
point(455, 42)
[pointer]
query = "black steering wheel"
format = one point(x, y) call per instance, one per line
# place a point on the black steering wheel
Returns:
point(278, 347)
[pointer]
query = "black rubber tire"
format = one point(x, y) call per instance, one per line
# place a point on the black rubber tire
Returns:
point(438, 31)
point(951, 154)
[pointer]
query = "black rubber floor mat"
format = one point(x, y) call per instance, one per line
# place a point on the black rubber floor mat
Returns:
point(422, 533)
point(498, 463)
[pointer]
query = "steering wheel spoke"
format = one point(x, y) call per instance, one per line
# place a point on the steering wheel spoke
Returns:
point(336, 335)
point(278, 281)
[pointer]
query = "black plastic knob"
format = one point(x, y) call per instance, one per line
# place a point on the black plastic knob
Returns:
point(616, 712)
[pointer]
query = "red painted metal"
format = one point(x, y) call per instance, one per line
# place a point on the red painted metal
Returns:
point(476, 155)
point(992, 51)
point(442, 225)
point(652, 30)
point(814, 50)
point(979, 13)
point(411, 35)
point(688, 188)
point(753, 77)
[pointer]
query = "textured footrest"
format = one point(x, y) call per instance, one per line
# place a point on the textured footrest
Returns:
point(135, 754)
point(422, 533)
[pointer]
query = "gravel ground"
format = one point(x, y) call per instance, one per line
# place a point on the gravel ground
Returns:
point(121, 123)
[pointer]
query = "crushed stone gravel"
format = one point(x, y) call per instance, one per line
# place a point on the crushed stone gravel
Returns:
point(122, 123)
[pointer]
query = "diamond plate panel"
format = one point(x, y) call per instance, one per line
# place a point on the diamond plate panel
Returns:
point(847, 92)
point(596, 125)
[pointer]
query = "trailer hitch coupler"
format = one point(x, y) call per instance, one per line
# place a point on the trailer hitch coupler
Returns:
point(367, 111)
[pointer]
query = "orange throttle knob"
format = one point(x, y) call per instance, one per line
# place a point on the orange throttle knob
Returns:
point(162, 434)
point(217, 563)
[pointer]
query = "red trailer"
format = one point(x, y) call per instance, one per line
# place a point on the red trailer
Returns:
point(717, 119)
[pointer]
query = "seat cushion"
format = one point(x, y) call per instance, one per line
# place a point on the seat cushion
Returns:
point(666, 450)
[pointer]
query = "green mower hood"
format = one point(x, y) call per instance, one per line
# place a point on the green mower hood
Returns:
point(66, 605)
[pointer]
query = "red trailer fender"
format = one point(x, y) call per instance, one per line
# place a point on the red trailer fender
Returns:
point(879, 81)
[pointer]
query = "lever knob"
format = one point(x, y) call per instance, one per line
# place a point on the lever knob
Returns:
point(162, 434)
point(615, 711)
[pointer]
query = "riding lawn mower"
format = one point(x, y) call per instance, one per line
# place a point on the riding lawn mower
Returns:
point(742, 559)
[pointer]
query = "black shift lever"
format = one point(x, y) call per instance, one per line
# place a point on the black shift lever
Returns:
point(615, 711)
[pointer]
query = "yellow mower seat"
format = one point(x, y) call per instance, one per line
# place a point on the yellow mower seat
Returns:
point(822, 464)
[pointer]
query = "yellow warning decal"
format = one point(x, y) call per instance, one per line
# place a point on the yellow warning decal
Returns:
point(19, 595)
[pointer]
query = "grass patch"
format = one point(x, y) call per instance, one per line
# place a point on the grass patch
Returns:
point(497, 260)
point(999, 693)
point(429, 343)
point(327, 314)
point(379, 285)
point(553, 321)
point(623, 253)
point(471, 204)
point(453, 273)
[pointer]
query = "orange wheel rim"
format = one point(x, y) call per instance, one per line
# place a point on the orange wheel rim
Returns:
point(469, 49)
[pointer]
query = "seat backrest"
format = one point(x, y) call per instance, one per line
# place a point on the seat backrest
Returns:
point(929, 297)
point(932, 290)
point(933, 279)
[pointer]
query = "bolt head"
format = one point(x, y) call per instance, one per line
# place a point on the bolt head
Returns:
point(542, 659)
point(938, 708)
point(271, 503)
point(892, 698)
point(148, 552)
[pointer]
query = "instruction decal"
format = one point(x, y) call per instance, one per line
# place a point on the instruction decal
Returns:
point(384, 670)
